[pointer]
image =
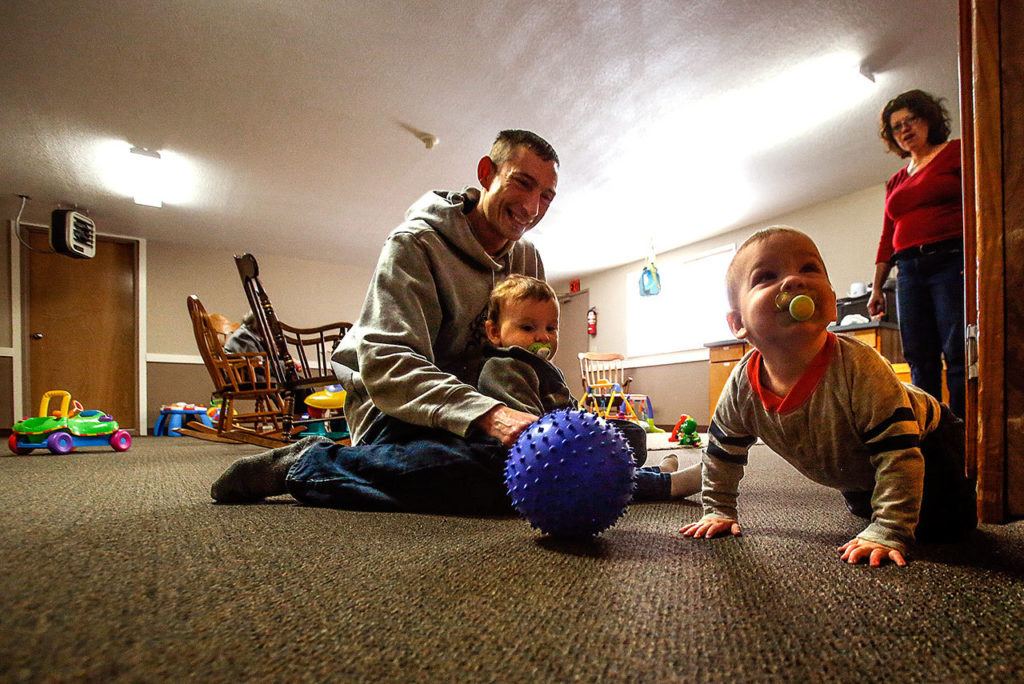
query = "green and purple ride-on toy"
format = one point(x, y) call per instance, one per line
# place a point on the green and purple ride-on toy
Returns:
point(67, 428)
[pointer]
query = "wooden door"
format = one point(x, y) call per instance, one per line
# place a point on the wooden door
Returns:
point(991, 61)
point(572, 338)
point(80, 327)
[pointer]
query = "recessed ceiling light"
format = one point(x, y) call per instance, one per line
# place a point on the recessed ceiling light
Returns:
point(147, 177)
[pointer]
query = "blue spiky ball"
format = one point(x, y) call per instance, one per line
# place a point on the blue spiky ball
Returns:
point(570, 474)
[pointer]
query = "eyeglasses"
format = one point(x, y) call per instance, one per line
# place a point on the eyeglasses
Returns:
point(898, 127)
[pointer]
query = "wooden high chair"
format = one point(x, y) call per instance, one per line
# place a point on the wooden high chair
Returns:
point(606, 388)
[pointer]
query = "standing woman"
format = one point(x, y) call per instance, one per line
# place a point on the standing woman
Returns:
point(923, 235)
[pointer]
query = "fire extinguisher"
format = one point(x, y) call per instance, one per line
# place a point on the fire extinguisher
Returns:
point(592, 321)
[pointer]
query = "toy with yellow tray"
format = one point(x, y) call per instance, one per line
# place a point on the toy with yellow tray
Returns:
point(66, 428)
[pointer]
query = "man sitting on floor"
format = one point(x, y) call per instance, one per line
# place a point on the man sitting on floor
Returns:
point(424, 438)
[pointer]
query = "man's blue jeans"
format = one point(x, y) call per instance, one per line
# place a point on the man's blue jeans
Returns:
point(403, 467)
point(930, 302)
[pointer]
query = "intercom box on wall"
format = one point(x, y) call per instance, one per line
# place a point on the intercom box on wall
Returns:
point(73, 234)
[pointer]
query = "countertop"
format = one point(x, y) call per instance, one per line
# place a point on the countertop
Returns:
point(832, 328)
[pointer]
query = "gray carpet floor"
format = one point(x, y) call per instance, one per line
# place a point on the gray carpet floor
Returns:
point(117, 567)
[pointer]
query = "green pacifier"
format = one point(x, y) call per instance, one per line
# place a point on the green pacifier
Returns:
point(541, 349)
point(801, 307)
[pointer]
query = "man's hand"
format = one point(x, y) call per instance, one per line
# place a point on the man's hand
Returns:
point(711, 526)
point(856, 550)
point(505, 424)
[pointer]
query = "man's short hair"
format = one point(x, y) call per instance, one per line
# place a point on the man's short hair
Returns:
point(508, 140)
point(517, 288)
point(732, 277)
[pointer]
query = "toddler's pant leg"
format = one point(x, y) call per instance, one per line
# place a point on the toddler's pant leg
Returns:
point(428, 471)
point(652, 485)
point(858, 503)
point(949, 505)
point(635, 435)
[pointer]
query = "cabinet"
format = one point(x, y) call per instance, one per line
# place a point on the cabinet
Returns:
point(723, 357)
point(884, 337)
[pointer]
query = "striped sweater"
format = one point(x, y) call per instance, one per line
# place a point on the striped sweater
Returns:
point(849, 424)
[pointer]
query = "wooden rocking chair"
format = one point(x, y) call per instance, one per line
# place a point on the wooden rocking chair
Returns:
point(300, 358)
point(237, 378)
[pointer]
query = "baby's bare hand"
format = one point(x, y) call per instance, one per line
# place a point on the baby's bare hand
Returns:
point(856, 550)
point(711, 526)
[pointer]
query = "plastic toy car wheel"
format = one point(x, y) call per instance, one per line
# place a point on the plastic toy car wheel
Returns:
point(121, 441)
point(12, 442)
point(60, 443)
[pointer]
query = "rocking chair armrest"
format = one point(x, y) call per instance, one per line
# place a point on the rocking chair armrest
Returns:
point(341, 327)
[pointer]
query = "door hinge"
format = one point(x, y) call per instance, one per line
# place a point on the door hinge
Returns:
point(972, 351)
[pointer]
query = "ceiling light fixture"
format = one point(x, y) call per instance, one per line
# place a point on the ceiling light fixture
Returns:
point(428, 139)
point(147, 177)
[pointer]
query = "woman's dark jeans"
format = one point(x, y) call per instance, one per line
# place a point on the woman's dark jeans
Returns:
point(930, 302)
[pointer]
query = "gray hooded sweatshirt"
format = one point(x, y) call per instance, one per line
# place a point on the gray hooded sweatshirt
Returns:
point(417, 349)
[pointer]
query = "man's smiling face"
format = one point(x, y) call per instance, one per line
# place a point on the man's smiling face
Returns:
point(515, 197)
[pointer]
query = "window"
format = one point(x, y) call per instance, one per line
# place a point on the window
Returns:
point(689, 311)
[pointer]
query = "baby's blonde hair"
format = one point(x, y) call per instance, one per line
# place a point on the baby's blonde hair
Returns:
point(517, 288)
point(732, 274)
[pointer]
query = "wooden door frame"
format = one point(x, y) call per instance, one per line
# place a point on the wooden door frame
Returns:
point(984, 137)
point(571, 380)
point(17, 327)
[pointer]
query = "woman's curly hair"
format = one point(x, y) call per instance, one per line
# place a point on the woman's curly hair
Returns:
point(922, 105)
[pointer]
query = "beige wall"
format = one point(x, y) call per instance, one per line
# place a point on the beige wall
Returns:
point(312, 292)
point(167, 383)
point(846, 229)
point(304, 292)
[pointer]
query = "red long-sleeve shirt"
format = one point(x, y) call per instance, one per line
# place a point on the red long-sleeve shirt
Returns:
point(923, 208)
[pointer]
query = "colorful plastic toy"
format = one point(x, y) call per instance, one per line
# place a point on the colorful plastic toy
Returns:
point(685, 432)
point(323, 406)
point(570, 474)
point(607, 400)
point(67, 428)
point(177, 415)
point(650, 428)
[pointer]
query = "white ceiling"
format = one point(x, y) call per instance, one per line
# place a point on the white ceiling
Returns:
point(288, 112)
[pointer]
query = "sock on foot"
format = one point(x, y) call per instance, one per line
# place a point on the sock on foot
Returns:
point(686, 481)
point(669, 464)
point(261, 475)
